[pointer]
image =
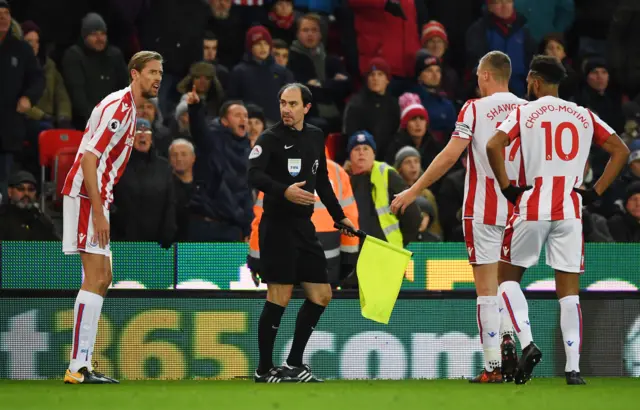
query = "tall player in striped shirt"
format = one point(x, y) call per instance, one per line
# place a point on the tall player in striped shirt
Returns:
point(485, 210)
point(556, 137)
point(88, 193)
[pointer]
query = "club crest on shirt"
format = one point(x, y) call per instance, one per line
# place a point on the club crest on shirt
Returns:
point(114, 125)
point(314, 168)
point(294, 165)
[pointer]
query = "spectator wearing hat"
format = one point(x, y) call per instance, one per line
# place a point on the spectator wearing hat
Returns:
point(414, 132)
point(146, 208)
point(441, 111)
point(502, 28)
point(229, 24)
point(408, 164)
point(257, 123)
point(203, 77)
point(281, 21)
point(179, 125)
point(375, 184)
point(553, 45)
point(20, 217)
point(324, 74)
point(435, 40)
point(625, 227)
point(161, 134)
point(623, 47)
point(92, 69)
point(210, 54)
point(257, 78)
point(546, 16)
point(373, 108)
point(21, 86)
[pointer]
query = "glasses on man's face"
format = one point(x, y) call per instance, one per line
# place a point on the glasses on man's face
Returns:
point(147, 132)
point(25, 188)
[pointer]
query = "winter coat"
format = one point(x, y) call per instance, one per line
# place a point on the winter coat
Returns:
point(428, 149)
point(484, 36)
point(18, 224)
point(55, 101)
point(546, 16)
point(20, 75)
point(623, 46)
point(442, 113)
point(624, 228)
point(220, 173)
point(90, 76)
point(378, 114)
point(258, 83)
point(231, 36)
point(144, 208)
point(379, 34)
point(595, 228)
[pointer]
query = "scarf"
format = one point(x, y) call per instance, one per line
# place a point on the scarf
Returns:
point(283, 22)
point(317, 55)
point(504, 24)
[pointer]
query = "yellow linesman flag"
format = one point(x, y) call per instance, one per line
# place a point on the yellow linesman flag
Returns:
point(380, 271)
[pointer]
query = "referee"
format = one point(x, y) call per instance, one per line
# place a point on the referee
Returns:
point(288, 164)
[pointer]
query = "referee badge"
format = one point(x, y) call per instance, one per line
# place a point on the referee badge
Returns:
point(314, 168)
point(294, 165)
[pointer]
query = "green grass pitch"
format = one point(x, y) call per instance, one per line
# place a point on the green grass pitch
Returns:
point(539, 394)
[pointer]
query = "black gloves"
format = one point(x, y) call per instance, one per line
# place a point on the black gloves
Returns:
point(589, 196)
point(512, 193)
point(394, 8)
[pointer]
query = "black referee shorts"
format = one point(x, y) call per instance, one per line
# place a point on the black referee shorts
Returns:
point(290, 252)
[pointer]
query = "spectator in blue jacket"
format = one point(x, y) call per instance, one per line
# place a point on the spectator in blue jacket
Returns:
point(546, 16)
point(222, 205)
point(257, 78)
point(501, 28)
point(442, 113)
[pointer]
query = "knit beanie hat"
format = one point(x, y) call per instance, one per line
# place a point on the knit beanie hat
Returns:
point(91, 23)
point(181, 108)
point(425, 60)
point(255, 34)
point(379, 64)
point(361, 138)
point(4, 4)
point(593, 63)
point(632, 189)
point(255, 111)
point(411, 107)
point(404, 153)
point(29, 26)
point(434, 29)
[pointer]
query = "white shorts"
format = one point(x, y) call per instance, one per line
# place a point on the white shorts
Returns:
point(563, 240)
point(483, 242)
point(77, 227)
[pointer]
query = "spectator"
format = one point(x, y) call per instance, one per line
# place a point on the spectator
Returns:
point(450, 199)
point(256, 123)
point(174, 28)
point(54, 107)
point(281, 21)
point(407, 162)
point(182, 156)
point(21, 218)
point(280, 52)
point(441, 110)
point(546, 16)
point(435, 41)
point(92, 69)
point(623, 47)
point(209, 54)
point(373, 108)
point(324, 74)
point(625, 227)
point(595, 227)
point(414, 132)
point(229, 26)
point(631, 110)
point(257, 79)
point(383, 32)
point(161, 134)
point(502, 28)
point(180, 123)
point(374, 185)
point(21, 84)
point(553, 45)
point(222, 205)
point(203, 78)
point(144, 209)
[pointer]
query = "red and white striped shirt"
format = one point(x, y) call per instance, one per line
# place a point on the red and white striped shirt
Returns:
point(109, 135)
point(556, 137)
point(483, 201)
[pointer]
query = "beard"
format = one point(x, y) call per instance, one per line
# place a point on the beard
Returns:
point(221, 14)
point(530, 96)
point(25, 203)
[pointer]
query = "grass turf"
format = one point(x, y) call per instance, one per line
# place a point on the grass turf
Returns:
point(539, 394)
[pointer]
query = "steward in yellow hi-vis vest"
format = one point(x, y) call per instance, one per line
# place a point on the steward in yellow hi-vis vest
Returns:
point(340, 250)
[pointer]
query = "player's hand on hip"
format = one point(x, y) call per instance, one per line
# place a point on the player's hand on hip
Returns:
point(193, 97)
point(100, 229)
point(512, 192)
point(347, 222)
point(403, 200)
point(298, 195)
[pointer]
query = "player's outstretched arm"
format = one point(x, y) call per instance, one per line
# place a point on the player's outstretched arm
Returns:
point(440, 165)
point(619, 155)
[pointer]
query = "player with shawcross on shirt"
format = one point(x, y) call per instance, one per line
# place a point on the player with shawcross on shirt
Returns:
point(486, 210)
point(556, 137)
point(88, 192)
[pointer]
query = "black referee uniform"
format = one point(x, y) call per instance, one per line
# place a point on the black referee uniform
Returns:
point(289, 249)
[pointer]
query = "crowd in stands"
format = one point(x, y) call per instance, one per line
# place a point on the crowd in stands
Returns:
point(388, 79)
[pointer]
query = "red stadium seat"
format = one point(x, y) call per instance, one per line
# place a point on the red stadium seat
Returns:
point(52, 144)
point(333, 143)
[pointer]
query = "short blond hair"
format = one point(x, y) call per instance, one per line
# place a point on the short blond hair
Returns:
point(139, 61)
point(499, 64)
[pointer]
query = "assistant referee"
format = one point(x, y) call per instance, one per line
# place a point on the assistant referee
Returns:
point(288, 164)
